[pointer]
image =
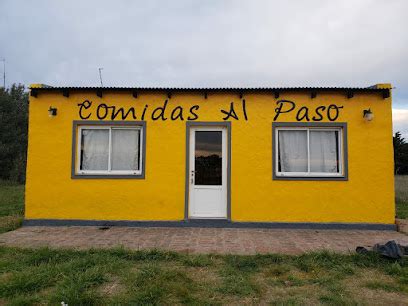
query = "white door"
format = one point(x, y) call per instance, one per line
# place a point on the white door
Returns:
point(208, 173)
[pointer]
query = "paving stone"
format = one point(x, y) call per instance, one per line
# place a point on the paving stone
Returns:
point(199, 240)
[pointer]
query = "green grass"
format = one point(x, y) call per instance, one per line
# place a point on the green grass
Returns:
point(401, 196)
point(11, 206)
point(119, 276)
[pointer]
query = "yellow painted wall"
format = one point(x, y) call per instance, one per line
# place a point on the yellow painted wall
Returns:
point(367, 196)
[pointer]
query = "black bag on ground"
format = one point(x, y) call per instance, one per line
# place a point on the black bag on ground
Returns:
point(391, 250)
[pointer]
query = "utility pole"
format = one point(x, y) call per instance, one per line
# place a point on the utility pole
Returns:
point(100, 75)
point(4, 73)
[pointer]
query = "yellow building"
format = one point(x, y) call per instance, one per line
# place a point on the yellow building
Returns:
point(236, 157)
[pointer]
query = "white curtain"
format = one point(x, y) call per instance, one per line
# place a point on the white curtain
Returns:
point(293, 151)
point(125, 149)
point(323, 151)
point(95, 149)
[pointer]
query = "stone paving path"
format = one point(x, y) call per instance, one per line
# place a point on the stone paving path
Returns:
point(199, 240)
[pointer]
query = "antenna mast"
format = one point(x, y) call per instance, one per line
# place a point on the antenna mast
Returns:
point(4, 73)
point(100, 75)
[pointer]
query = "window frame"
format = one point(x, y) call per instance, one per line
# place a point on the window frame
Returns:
point(78, 126)
point(310, 126)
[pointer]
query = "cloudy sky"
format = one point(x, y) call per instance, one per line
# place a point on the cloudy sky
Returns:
point(209, 43)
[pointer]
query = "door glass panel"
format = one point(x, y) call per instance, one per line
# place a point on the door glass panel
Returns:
point(208, 158)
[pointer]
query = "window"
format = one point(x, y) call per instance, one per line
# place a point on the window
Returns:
point(308, 151)
point(114, 150)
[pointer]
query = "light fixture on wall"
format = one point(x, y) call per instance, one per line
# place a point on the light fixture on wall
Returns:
point(368, 115)
point(52, 111)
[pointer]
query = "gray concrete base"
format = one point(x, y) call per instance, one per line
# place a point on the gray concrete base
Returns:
point(211, 223)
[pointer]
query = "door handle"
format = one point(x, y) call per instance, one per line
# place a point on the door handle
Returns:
point(192, 177)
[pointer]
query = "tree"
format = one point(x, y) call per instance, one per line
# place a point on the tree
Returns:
point(400, 154)
point(13, 132)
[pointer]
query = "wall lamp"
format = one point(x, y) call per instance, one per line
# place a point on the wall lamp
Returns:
point(368, 115)
point(52, 111)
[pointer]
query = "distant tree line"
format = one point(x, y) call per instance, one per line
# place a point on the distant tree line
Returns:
point(13, 133)
point(400, 154)
point(14, 127)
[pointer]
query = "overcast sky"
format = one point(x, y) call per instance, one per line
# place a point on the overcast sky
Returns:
point(209, 43)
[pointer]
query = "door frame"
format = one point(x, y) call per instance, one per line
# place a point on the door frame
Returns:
point(189, 125)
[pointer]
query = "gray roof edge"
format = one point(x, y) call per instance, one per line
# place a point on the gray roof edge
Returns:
point(47, 87)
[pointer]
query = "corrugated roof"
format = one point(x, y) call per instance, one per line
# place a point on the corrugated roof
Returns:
point(384, 89)
point(47, 87)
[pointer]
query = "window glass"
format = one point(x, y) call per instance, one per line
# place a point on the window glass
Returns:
point(312, 152)
point(125, 149)
point(324, 151)
point(208, 158)
point(292, 151)
point(94, 149)
point(109, 150)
